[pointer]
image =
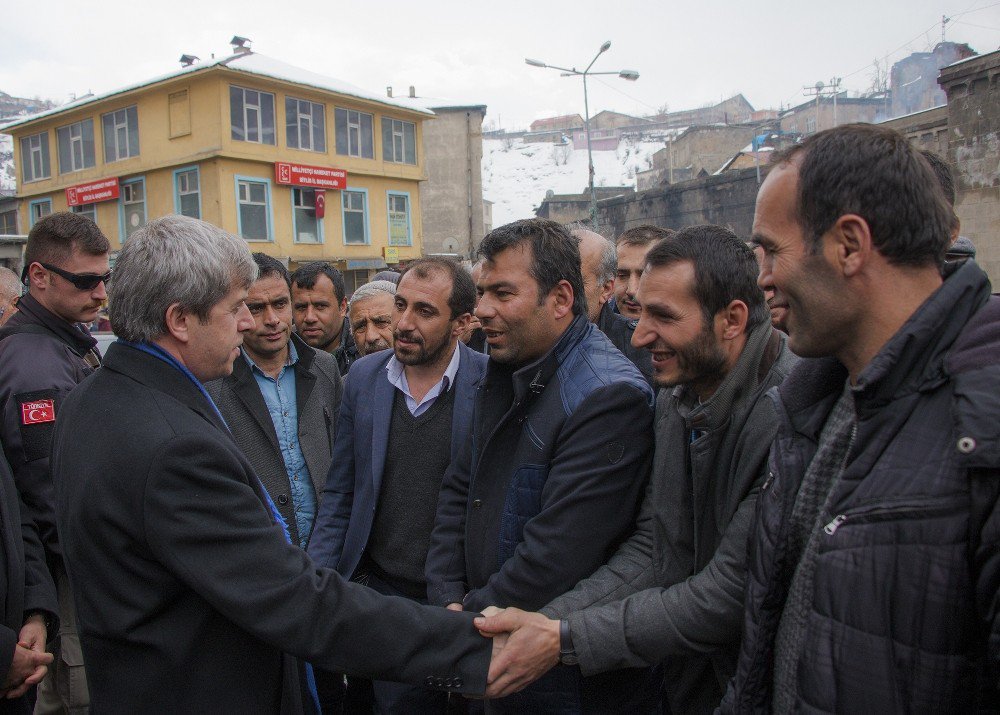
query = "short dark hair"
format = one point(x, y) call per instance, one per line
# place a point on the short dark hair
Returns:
point(943, 174)
point(306, 277)
point(463, 291)
point(53, 238)
point(270, 266)
point(555, 255)
point(875, 173)
point(725, 269)
point(643, 235)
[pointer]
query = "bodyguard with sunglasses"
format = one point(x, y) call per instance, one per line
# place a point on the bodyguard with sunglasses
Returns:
point(45, 351)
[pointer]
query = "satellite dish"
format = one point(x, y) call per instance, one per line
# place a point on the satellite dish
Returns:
point(820, 86)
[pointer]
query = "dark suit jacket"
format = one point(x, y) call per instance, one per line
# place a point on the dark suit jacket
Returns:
point(187, 591)
point(347, 509)
point(318, 389)
point(25, 583)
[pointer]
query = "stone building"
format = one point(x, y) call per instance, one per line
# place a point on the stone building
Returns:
point(735, 110)
point(810, 117)
point(913, 80)
point(697, 151)
point(553, 129)
point(566, 208)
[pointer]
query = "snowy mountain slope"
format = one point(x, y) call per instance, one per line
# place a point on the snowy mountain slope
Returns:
point(517, 175)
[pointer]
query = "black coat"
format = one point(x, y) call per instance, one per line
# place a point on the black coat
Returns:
point(187, 592)
point(905, 615)
point(25, 583)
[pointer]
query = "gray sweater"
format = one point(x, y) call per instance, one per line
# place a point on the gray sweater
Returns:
point(675, 588)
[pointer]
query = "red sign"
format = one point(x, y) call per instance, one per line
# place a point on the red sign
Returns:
point(91, 193)
point(310, 177)
point(33, 413)
point(320, 203)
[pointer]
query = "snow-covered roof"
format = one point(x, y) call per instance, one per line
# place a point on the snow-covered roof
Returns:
point(249, 62)
point(432, 103)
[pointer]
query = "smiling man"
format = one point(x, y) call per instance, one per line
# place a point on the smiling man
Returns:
point(192, 597)
point(548, 485)
point(281, 402)
point(673, 592)
point(45, 352)
point(405, 416)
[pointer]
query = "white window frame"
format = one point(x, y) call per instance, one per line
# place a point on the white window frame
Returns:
point(75, 133)
point(179, 192)
point(36, 158)
point(88, 210)
point(306, 118)
point(120, 124)
point(364, 214)
point(242, 181)
point(398, 131)
point(259, 124)
point(38, 210)
point(298, 195)
point(352, 121)
point(127, 199)
point(390, 195)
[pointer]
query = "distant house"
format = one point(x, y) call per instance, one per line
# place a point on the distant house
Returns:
point(566, 208)
point(812, 116)
point(553, 129)
point(913, 80)
point(697, 151)
point(735, 110)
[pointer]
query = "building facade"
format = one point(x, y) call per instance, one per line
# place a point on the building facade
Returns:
point(302, 166)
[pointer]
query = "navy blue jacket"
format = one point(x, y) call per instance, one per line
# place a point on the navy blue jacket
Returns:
point(347, 506)
point(549, 485)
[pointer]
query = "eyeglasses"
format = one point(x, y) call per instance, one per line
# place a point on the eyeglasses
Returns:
point(80, 281)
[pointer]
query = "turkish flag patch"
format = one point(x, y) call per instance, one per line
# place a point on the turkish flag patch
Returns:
point(38, 412)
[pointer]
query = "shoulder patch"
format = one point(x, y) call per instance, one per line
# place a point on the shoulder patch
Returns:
point(35, 412)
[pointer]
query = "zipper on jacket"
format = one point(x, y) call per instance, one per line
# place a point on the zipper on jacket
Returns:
point(932, 506)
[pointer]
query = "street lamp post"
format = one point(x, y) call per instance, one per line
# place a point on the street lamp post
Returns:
point(630, 75)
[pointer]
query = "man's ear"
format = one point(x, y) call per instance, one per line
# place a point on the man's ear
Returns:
point(178, 322)
point(562, 294)
point(731, 321)
point(343, 307)
point(850, 241)
point(460, 324)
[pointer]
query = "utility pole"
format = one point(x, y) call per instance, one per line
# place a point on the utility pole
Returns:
point(835, 83)
point(817, 90)
point(944, 21)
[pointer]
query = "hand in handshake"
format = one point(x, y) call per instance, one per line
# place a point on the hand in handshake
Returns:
point(529, 649)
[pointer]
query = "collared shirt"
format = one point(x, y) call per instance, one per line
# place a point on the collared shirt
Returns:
point(279, 396)
point(397, 376)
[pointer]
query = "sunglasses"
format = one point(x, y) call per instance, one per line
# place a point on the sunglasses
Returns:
point(80, 281)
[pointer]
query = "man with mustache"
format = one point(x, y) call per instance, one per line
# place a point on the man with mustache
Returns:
point(549, 484)
point(371, 315)
point(406, 413)
point(673, 591)
point(45, 352)
point(280, 401)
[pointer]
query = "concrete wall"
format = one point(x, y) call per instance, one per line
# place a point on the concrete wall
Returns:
point(927, 129)
point(803, 118)
point(973, 89)
point(451, 199)
point(727, 200)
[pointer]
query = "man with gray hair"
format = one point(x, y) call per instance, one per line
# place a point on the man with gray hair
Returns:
point(370, 313)
point(190, 594)
point(10, 291)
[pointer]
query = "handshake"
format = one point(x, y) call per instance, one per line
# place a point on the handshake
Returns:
point(525, 647)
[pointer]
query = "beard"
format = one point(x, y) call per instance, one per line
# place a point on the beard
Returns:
point(423, 355)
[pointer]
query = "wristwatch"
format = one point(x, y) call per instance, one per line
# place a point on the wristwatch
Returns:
point(567, 654)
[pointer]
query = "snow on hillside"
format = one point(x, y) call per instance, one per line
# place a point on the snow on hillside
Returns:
point(7, 162)
point(517, 175)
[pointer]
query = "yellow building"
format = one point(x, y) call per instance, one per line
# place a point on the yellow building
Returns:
point(303, 166)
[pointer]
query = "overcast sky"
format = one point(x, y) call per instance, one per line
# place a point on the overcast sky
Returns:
point(688, 53)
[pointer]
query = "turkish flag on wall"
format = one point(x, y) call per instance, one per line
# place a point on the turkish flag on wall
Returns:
point(320, 203)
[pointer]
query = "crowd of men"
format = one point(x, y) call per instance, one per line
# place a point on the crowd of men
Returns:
point(683, 471)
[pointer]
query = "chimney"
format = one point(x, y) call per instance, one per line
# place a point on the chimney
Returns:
point(413, 92)
point(241, 45)
point(188, 60)
point(388, 92)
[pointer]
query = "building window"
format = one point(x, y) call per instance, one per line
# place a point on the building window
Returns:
point(39, 209)
point(8, 222)
point(133, 205)
point(305, 125)
point(355, 136)
point(810, 125)
point(307, 228)
point(179, 113)
point(355, 216)
point(399, 142)
point(76, 146)
point(251, 114)
point(187, 196)
point(121, 134)
point(88, 210)
point(253, 199)
point(399, 219)
point(35, 157)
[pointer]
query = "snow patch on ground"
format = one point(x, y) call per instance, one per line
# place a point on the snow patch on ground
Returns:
point(7, 177)
point(517, 175)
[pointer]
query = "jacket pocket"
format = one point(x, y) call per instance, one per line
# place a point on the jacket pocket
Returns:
point(900, 508)
point(523, 501)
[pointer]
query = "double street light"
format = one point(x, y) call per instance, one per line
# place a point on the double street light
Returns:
point(630, 75)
